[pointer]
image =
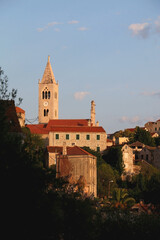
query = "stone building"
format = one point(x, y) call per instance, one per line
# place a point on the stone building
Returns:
point(150, 155)
point(153, 127)
point(21, 116)
point(79, 165)
point(80, 132)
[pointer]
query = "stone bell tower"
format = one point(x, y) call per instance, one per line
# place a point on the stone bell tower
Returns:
point(48, 95)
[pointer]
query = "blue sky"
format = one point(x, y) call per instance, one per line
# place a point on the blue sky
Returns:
point(102, 50)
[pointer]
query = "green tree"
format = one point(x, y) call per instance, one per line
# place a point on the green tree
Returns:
point(4, 93)
point(95, 153)
point(106, 179)
point(114, 157)
point(142, 136)
point(120, 198)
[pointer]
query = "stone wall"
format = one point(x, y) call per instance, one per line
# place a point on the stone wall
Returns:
point(93, 143)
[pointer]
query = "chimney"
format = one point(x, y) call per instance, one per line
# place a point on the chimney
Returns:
point(64, 152)
point(93, 113)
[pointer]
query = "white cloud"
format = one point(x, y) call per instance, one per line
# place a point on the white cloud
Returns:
point(82, 29)
point(73, 22)
point(134, 119)
point(80, 95)
point(153, 93)
point(140, 29)
point(157, 23)
point(41, 29)
point(57, 30)
point(51, 24)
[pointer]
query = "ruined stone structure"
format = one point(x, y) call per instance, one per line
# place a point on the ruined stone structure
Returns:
point(153, 127)
point(150, 155)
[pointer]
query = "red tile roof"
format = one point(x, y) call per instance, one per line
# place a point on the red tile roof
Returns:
point(76, 129)
point(19, 110)
point(71, 151)
point(37, 128)
point(68, 122)
point(73, 125)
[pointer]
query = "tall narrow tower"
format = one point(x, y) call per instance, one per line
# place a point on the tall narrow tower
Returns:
point(93, 113)
point(48, 95)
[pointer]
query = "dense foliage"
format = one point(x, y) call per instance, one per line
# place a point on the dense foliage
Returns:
point(113, 156)
point(142, 136)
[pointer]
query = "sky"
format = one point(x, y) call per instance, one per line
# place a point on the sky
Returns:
point(102, 50)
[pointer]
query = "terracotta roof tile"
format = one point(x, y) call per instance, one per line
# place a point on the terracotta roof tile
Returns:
point(71, 151)
point(68, 127)
point(67, 122)
point(19, 110)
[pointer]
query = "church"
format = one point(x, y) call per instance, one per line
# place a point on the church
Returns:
point(57, 132)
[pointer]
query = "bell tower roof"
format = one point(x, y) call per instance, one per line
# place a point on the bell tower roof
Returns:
point(48, 76)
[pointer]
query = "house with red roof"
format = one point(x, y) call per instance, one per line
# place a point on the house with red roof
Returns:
point(79, 166)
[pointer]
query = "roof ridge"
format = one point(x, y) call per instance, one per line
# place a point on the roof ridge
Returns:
point(79, 148)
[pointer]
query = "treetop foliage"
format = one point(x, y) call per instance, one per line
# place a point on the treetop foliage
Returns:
point(4, 93)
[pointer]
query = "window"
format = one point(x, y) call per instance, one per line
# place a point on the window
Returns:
point(77, 136)
point(88, 137)
point(55, 113)
point(46, 94)
point(67, 136)
point(57, 136)
point(155, 129)
point(98, 137)
point(55, 95)
point(98, 149)
point(46, 111)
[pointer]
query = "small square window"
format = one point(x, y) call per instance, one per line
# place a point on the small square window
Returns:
point(98, 137)
point(67, 136)
point(57, 136)
point(77, 137)
point(88, 137)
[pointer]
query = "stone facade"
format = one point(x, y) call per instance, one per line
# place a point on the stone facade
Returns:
point(79, 163)
point(48, 96)
point(150, 155)
point(153, 127)
point(94, 140)
point(128, 159)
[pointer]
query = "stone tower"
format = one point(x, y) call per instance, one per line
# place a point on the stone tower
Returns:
point(93, 113)
point(48, 95)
